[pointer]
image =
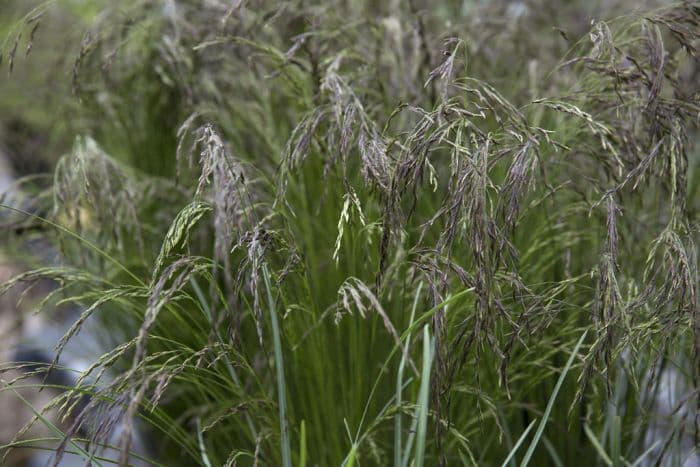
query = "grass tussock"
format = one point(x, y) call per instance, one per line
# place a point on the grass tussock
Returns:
point(345, 233)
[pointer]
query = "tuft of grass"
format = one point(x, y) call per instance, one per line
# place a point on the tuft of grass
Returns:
point(304, 224)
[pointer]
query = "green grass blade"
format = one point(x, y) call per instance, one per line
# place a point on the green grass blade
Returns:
point(540, 429)
point(643, 456)
point(511, 454)
point(423, 399)
point(598, 447)
point(615, 442)
point(399, 386)
point(556, 460)
point(302, 445)
point(202, 448)
point(279, 366)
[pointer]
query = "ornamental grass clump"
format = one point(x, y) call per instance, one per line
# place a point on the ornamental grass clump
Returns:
point(340, 233)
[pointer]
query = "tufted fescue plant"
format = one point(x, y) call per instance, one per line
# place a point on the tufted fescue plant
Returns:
point(346, 233)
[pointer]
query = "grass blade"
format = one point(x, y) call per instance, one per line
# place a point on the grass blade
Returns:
point(399, 386)
point(302, 445)
point(641, 458)
point(512, 452)
point(550, 404)
point(598, 447)
point(202, 447)
point(423, 399)
point(279, 366)
point(615, 442)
